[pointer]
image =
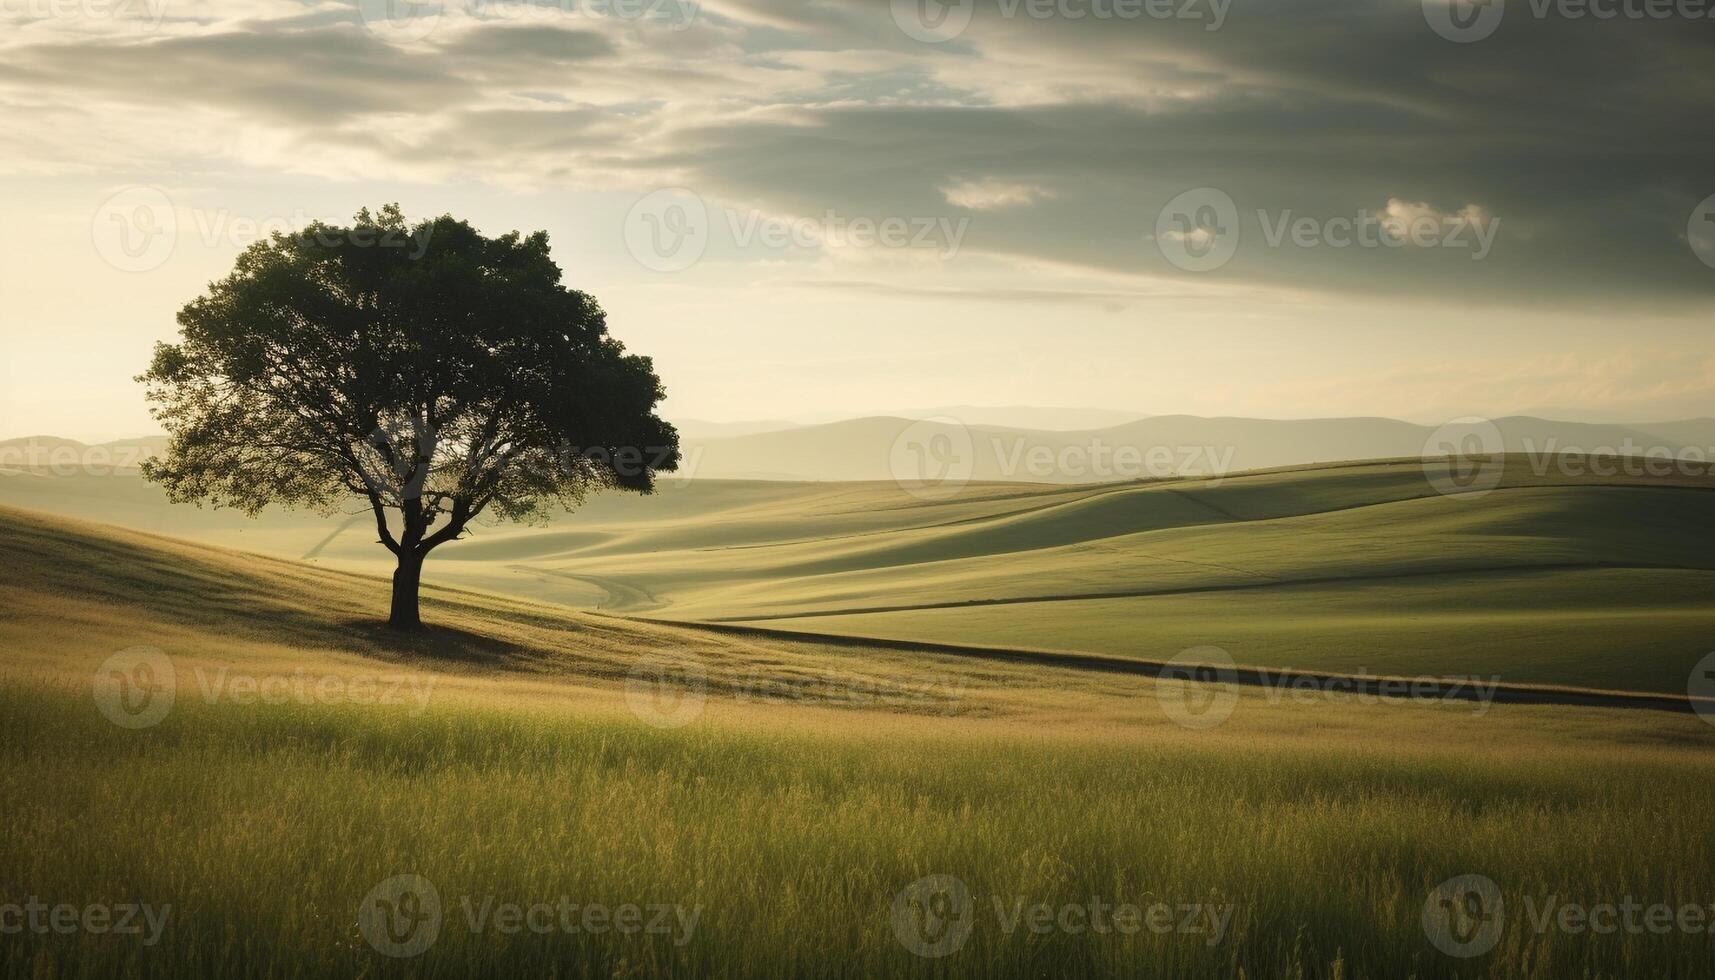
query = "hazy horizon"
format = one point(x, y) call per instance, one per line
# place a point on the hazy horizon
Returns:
point(1056, 419)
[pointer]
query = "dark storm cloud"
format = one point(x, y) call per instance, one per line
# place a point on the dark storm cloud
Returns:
point(1586, 140)
point(300, 77)
point(1582, 138)
point(506, 42)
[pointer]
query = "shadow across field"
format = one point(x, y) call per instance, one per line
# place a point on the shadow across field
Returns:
point(1285, 679)
point(1274, 583)
point(164, 582)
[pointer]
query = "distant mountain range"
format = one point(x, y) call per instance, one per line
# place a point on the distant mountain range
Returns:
point(49, 453)
point(884, 448)
point(1005, 416)
point(949, 447)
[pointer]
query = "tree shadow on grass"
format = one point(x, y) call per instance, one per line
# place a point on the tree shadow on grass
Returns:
point(131, 578)
point(437, 645)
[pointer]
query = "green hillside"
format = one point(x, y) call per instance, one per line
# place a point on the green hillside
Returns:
point(1549, 579)
point(783, 795)
point(1588, 582)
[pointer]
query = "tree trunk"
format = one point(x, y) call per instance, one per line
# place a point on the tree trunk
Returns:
point(406, 578)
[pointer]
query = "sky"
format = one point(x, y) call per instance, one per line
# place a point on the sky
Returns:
point(806, 208)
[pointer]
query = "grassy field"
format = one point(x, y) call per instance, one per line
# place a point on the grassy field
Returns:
point(1551, 579)
point(770, 802)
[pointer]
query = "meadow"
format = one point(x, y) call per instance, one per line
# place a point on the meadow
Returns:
point(1561, 577)
point(772, 801)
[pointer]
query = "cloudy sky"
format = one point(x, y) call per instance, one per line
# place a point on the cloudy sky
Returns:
point(800, 207)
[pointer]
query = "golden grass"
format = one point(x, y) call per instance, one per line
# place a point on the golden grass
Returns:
point(812, 786)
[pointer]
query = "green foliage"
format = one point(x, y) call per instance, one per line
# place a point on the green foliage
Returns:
point(428, 369)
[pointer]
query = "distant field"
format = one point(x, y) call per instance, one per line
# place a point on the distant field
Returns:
point(1584, 581)
point(802, 791)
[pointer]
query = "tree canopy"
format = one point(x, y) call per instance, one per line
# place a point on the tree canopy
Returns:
point(434, 372)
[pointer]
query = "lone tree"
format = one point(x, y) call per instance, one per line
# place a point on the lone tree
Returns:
point(432, 371)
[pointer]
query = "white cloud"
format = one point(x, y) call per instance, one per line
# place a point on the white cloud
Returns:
point(1422, 224)
point(993, 195)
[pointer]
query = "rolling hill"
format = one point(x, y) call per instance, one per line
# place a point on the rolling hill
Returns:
point(781, 793)
point(1583, 580)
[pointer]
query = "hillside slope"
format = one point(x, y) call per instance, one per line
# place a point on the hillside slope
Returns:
point(1602, 582)
point(76, 593)
point(266, 810)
